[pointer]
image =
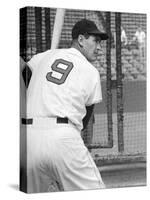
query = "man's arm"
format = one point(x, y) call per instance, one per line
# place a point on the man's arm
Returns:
point(89, 110)
point(26, 72)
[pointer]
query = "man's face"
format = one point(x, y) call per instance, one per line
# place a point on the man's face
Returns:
point(91, 47)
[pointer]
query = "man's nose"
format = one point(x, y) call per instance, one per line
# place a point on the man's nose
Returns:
point(99, 48)
point(99, 45)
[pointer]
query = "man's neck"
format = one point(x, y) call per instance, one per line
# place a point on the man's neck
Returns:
point(78, 47)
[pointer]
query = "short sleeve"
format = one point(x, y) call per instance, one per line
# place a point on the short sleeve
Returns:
point(35, 60)
point(95, 95)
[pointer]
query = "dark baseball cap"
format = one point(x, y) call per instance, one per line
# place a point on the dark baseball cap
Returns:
point(85, 26)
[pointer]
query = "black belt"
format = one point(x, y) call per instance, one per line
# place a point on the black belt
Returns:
point(27, 121)
point(59, 120)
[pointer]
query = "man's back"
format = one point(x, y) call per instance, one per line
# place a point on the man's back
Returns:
point(62, 84)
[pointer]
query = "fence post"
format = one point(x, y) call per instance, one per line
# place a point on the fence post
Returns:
point(108, 82)
point(38, 26)
point(47, 28)
point(119, 83)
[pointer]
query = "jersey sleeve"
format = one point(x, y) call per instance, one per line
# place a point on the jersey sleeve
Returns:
point(32, 63)
point(95, 93)
point(35, 60)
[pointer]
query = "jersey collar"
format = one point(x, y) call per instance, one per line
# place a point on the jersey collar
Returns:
point(77, 52)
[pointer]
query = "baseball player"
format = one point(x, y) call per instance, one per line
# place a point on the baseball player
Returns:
point(61, 95)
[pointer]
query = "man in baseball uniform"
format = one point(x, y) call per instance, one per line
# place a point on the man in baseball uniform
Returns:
point(61, 95)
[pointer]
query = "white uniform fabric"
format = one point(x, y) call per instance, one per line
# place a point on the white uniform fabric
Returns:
point(81, 87)
point(63, 82)
point(58, 160)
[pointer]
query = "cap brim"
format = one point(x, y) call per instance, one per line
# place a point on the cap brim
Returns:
point(102, 35)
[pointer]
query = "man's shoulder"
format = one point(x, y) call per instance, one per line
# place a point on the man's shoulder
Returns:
point(41, 54)
point(89, 69)
point(59, 52)
point(92, 67)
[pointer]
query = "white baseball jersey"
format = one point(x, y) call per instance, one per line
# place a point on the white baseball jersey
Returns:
point(63, 84)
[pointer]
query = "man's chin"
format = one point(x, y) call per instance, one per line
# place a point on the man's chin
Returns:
point(92, 59)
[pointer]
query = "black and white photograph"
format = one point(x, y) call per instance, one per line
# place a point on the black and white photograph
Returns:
point(82, 99)
point(74, 100)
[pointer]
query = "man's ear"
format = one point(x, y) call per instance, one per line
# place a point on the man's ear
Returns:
point(81, 40)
